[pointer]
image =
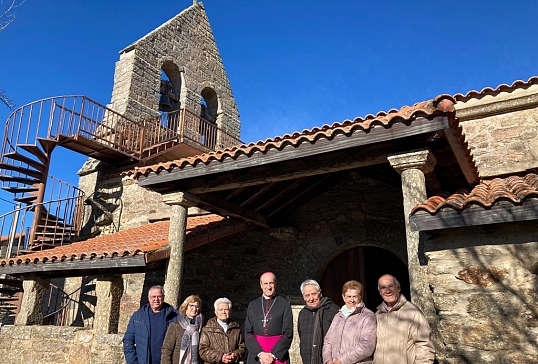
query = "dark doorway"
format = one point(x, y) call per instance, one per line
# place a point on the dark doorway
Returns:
point(365, 264)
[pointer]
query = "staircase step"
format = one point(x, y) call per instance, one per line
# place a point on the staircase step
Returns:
point(28, 199)
point(20, 190)
point(19, 179)
point(23, 170)
point(35, 150)
point(52, 234)
point(62, 227)
point(47, 144)
point(13, 282)
point(22, 158)
point(9, 291)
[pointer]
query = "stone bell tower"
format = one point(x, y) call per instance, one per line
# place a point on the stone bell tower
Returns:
point(176, 66)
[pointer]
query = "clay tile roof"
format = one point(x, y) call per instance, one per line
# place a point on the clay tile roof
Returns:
point(439, 106)
point(501, 88)
point(140, 240)
point(513, 189)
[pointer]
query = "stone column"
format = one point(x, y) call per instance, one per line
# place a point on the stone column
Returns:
point(107, 311)
point(179, 202)
point(31, 312)
point(413, 166)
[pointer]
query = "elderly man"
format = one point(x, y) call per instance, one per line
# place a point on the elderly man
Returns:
point(403, 334)
point(269, 325)
point(314, 321)
point(221, 340)
point(144, 337)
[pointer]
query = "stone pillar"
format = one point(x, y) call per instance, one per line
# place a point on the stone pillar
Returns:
point(180, 202)
point(107, 311)
point(412, 167)
point(31, 312)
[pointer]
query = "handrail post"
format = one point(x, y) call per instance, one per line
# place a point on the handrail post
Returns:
point(13, 230)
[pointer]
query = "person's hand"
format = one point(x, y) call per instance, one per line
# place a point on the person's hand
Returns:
point(266, 358)
point(337, 361)
point(329, 362)
point(228, 358)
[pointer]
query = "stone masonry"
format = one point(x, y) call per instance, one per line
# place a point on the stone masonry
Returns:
point(185, 50)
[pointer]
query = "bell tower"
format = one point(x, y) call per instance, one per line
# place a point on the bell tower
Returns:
point(177, 66)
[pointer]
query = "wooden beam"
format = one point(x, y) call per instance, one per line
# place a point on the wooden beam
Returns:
point(321, 146)
point(303, 191)
point(470, 175)
point(262, 191)
point(223, 207)
point(283, 192)
point(500, 213)
point(75, 264)
point(305, 167)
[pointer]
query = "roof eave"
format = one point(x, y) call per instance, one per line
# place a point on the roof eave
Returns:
point(499, 213)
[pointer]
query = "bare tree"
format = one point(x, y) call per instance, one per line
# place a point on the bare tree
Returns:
point(7, 16)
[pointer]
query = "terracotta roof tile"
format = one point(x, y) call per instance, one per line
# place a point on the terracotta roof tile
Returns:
point(501, 88)
point(139, 240)
point(513, 189)
point(439, 106)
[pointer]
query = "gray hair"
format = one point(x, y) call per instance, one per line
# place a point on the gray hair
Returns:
point(393, 278)
point(310, 282)
point(223, 300)
point(156, 287)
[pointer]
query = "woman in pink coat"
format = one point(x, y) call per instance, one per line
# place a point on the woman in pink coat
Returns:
point(351, 338)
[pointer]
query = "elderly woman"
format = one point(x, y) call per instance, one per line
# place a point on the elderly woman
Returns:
point(221, 340)
point(351, 338)
point(182, 337)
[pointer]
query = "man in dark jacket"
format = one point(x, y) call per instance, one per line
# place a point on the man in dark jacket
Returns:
point(144, 337)
point(314, 321)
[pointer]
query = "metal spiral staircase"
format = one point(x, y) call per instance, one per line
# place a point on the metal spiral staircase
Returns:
point(49, 211)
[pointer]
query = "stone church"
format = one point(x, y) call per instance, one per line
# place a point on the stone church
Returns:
point(442, 194)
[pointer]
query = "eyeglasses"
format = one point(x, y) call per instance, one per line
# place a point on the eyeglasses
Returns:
point(386, 288)
point(308, 295)
point(194, 306)
point(156, 297)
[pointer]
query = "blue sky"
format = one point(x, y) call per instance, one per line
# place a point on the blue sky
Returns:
point(292, 64)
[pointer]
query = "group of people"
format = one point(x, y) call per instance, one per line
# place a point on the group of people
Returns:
point(157, 333)
point(397, 333)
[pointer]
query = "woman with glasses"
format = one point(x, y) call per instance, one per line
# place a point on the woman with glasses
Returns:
point(182, 337)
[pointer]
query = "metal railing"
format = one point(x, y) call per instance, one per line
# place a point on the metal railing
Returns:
point(60, 222)
point(73, 116)
point(73, 309)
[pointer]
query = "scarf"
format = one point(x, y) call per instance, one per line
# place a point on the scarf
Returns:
point(317, 334)
point(189, 342)
point(347, 311)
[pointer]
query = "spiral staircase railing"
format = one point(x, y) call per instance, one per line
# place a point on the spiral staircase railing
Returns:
point(49, 214)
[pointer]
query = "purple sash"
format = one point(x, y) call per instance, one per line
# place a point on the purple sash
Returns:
point(267, 343)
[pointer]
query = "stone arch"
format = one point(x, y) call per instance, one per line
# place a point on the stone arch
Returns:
point(210, 104)
point(170, 87)
point(365, 264)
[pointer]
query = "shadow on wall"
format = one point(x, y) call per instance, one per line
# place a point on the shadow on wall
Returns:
point(484, 286)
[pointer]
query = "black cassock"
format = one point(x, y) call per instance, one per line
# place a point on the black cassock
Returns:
point(269, 318)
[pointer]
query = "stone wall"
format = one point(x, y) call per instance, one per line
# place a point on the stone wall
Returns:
point(484, 287)
point(58, 345)
point(185, 49)
point(502, 130)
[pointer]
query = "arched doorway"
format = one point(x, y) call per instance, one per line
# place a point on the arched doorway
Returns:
point(365, 264)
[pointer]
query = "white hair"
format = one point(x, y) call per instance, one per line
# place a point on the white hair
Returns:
point(223, 300)
point(396, 283)
point(310, 282)
point(156, 287)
